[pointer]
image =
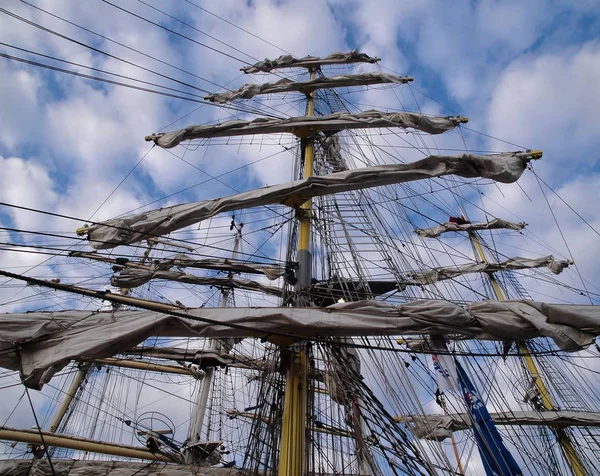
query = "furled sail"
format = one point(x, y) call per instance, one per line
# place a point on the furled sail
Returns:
point(134, 277)
point(288, 61)
point(304, 125)
point(181, 260)
point(439, 427)
point(494, 224)
point(72, 467)
point(506, 167)
point(41, 343)
point(434, 275)
point(202, 357)
point(248, 91)
point(271, 271)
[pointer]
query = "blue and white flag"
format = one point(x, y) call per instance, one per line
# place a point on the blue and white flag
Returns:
point(445, 372)
point(497, 460)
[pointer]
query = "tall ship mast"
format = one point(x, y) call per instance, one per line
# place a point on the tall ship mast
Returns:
point(361, 318)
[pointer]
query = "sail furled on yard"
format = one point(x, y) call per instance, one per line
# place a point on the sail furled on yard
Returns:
point(497, 459)
point(305, 125)
point(494, 224)
point(41, 343)
point(438, 427)
point(248, 91)
point(271, 271)
point(289, 61)
point(434, 275)
point(506, 168)
point(134, 277)
point(181, 260)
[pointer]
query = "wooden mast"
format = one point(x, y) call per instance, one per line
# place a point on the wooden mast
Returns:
point(562, 436)
point(292, 456)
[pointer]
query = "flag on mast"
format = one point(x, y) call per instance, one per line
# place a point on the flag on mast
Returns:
point(445, 372)
point(497, 459)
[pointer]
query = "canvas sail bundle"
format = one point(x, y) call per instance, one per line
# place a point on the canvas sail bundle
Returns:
point(288, 61)
point(505, 168)
point(202, 357)
point(494, 224)
point(49, 340)
point(432, 276)
point(306, 124)
point(134, 277)
point(248, 91)
point(181, 260)
point(271, 271)
point(440, 427)
point(70, 467)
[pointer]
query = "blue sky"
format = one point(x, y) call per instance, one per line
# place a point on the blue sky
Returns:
point(524, 72)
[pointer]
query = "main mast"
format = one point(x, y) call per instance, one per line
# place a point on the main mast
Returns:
point(292, 457)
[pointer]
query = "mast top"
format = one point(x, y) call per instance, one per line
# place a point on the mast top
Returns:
point(309, 62)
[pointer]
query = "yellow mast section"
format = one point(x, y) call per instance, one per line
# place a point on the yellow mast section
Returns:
point(561, 435)
point(293, 429)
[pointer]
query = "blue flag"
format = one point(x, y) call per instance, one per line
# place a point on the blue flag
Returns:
point(497, 460)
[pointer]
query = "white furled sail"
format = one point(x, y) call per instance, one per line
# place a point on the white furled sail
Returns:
point(439, 427)
point(288, 61)
point(304, 125)
point(434, 275)
point(506, 168)
point(248, 91)
point(494, 224)
point(134, 277)
point(181, 260)
point(271, 271)
point(69, 467)
point(49, 340)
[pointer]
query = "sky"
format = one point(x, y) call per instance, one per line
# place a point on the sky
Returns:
point(523, 72)
point(526, 73)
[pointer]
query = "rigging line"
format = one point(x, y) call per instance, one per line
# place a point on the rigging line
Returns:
point(48, 30)
point(61, 250)
point(123, 180)
point(176, 33)
point(236, 26)
point(428, 96)
point(220, 181)
point(96, 78)
point(550, 279)
point(197, 108)
point(196, 29)
point(272, 234)
point(101, 70)
point(562, 200)
point(116, 42)
point(40, 431)
point(16, 405)
point(563, 238)
point(380, 66)
point(495, 138)
point(284, 149)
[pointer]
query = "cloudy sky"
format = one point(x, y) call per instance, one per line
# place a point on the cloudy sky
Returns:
point(525, 72)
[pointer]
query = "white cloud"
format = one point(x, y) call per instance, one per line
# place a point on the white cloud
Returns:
point(551, 100)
